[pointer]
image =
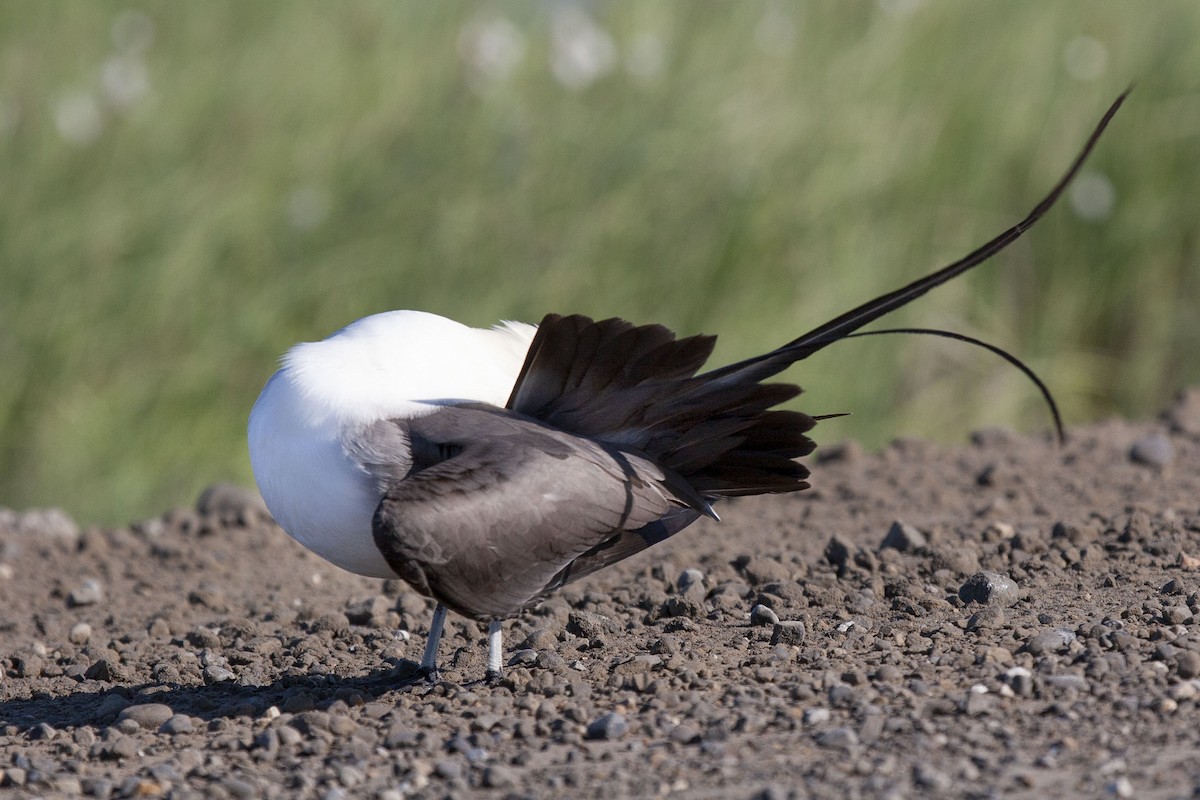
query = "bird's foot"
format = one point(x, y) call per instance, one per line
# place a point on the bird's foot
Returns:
point(429, 674)
point(492, 677)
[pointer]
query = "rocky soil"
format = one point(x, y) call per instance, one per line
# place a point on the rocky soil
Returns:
point(1004, 618)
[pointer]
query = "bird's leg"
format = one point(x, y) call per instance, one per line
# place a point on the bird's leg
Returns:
point(495, 650)
point(428, 666)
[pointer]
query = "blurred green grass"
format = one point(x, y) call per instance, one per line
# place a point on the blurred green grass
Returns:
point(188, 189)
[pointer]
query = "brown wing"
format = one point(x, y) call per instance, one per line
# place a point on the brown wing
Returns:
point(515, 502)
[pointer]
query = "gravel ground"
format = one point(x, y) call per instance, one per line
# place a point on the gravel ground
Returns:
point(1005, 618)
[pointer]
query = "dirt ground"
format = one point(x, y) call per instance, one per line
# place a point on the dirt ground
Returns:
point(1003, 618)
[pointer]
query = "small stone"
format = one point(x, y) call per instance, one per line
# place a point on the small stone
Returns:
point(837, 738)
point(499, 777)
point(80, 633)
point(370, 611)
point(684, 734)
point(102, 670)
point(837, 553)
point(928, 777)
point(1154, 450)
point(816, 716)
point(42, 732)
point(762, 615)
point(147, 715)
point(525, 655)
point(610, 726)
point(689, 578)
point(989, 589)
point(230, 501)
point(90, 593)
point(217, 674)
point(178, 723)
point(986, 618)
point(903, 537)
point(14, 776)
point(1187, 664)
point(888, 673)
point(1049, 641)
point(448, 769)
point(120, 746)
point(590, 625)
point(1177, 615)
point(1121, 787)
point(788, 632)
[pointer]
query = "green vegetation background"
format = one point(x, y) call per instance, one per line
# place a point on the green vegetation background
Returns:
point(189, 188)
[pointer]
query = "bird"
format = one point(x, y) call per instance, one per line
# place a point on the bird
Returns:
point(488, 468)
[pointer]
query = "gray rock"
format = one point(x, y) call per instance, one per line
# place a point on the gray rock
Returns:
point(762, 615)
point(989, 589)
point(1187, 664)
point(230, 501)
point(985, 619)
point(499, 777)
point(90, 593)
point(689, 578)
point(147, 715)
point(178, 723)
point(788, 632)
point(837, 738)
point(590, 625)
point(1154, 450)
point(903, 537)
point(217, 674)
point(80, 633)
point(1053, 641)
point(610, 726)
point(368, 611)
point(816, 716)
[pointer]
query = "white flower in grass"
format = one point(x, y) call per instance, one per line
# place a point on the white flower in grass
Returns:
point(581, 51)
point(1085, 58)
point(124, 80)
point(78, 118)
point(1092, 196)
point(492, 47)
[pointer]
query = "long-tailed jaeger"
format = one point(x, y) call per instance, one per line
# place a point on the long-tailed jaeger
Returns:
point(488, 468)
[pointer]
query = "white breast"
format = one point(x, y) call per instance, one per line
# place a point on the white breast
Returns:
point(399, 364)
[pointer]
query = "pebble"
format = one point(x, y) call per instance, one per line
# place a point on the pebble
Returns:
point(217, 674)
point(178, 723)
point(903, 537)
point(762, 615)
point(228, 500)
point(610, 726)
point(1154, 450)
point(89, 593)
point(788, 632)
point(986, 618)
point(1049, 641)
point(147, 715)
point(989, 588)
point(689, 578)
point(80, 633)
point(816, 716)
point(1187, 664)
point(837, 738)
point(499, 777)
